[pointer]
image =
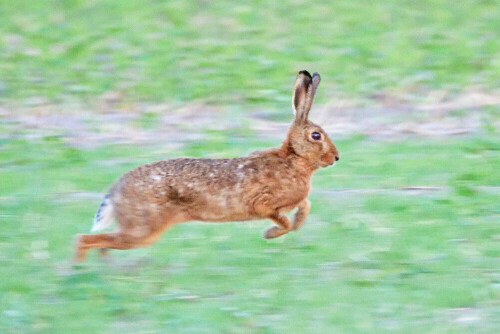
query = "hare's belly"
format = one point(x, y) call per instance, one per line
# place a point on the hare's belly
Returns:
point(221, 209)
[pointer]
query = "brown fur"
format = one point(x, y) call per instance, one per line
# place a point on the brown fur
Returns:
point(265, 184)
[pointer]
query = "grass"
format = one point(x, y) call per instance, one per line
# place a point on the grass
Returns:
point(225, 52)
point(373, 259)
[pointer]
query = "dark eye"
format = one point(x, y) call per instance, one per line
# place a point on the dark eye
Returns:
point(316, 135)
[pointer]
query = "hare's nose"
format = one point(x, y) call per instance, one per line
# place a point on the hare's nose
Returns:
point(337, 158)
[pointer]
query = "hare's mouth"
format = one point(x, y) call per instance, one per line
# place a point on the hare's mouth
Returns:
point(327, 160)
point(326, 164)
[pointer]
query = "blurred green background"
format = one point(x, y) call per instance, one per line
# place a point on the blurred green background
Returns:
point(403, 234)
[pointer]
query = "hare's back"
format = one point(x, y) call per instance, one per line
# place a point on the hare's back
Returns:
point(205, 189)
point(186, 175)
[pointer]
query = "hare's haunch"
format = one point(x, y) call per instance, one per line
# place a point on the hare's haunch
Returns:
point(265, 184)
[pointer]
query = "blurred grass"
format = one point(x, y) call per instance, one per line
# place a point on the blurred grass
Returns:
point(371, 257)
point(246, 51)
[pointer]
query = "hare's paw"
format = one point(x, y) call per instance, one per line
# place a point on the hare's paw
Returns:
point(284, 225)
point(273, 232)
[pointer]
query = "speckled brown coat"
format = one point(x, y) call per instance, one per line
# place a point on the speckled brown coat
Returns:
point(265, 184)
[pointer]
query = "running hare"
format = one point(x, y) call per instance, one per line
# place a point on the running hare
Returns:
point(265, 184)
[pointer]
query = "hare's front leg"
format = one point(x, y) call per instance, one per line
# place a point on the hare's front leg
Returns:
point(284, 226)
point(301, 214)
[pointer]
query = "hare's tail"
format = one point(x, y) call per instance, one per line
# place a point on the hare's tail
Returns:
point(104, 216)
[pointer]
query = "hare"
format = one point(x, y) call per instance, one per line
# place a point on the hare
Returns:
point(265, 184)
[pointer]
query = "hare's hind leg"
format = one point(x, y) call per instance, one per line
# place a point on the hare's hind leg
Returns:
point(284, 226)
point(116, 240)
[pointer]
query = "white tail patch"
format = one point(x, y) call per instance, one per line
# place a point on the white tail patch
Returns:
point(104, 216)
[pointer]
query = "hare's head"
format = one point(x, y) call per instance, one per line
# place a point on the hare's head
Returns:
point(305, 138)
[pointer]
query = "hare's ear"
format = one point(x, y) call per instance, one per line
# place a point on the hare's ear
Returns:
point(303, 95)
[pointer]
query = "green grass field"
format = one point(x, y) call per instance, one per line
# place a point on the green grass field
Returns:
point(227, 52)
point(372, 257)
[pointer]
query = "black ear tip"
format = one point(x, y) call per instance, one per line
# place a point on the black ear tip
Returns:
point(304, 72)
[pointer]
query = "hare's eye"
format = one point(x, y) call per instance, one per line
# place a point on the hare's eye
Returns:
point(316, 135)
